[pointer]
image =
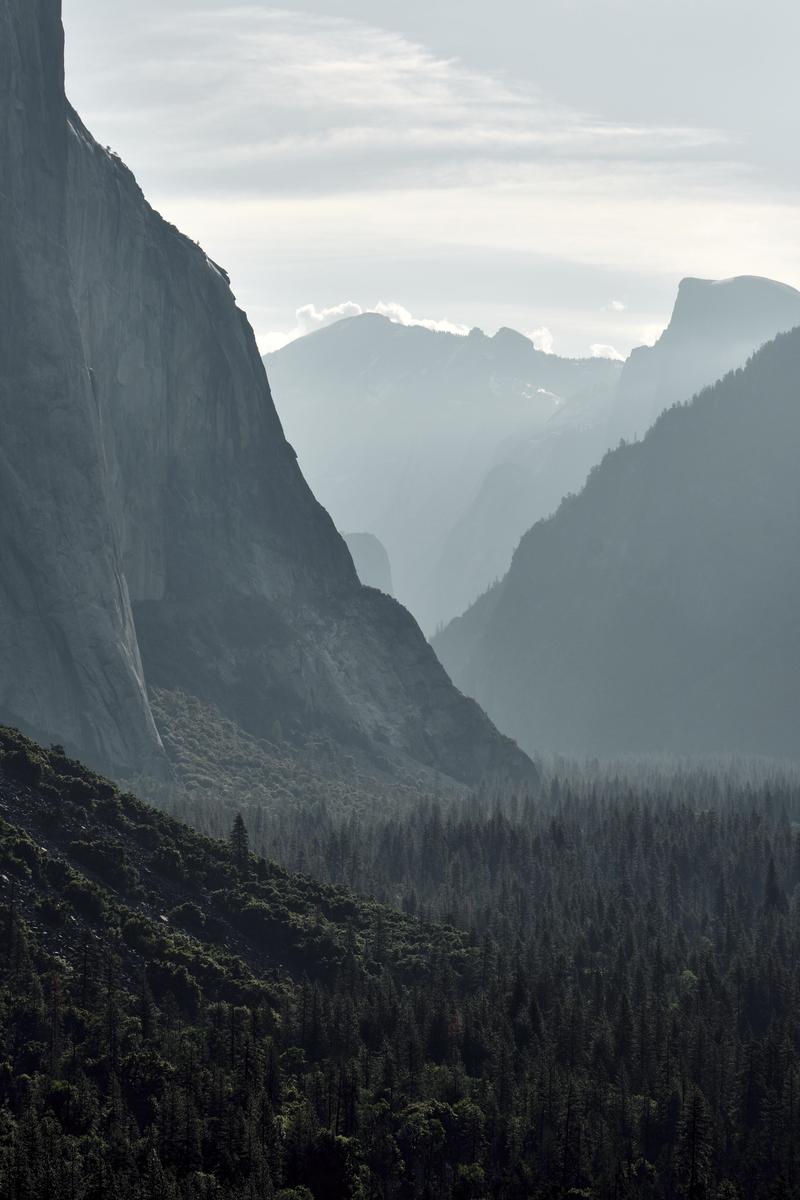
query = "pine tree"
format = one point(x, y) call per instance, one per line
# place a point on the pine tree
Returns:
point(694, 1142)
point(240, 842)
point(774, 895)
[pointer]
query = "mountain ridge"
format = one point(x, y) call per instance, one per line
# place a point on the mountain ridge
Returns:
point(370, 405)
point(493, 431)
point(656, 610)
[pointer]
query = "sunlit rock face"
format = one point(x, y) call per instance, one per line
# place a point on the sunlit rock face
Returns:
point(156, 527)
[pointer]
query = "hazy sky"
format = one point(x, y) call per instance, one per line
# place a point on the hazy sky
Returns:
point(556, 167)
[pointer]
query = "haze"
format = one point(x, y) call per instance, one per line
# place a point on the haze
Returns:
point(536, 173)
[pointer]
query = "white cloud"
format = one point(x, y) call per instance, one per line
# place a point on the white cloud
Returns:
point(602, 350)
point(401, 316)
point(309, 318)
point(543, 339)
point(616, 306)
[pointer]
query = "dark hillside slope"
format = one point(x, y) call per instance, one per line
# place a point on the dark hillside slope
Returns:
point(157, 528)
point(168, 1005)
point(660, 608)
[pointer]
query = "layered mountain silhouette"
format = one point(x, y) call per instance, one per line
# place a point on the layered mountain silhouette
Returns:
point(155, 526)
point(659, 609)
point(451, 448)
point(715, 326)
point(396, 426)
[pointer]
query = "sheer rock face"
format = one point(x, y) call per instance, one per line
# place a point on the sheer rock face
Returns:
point(716, 325)
point(150, 499)
point(68, 650)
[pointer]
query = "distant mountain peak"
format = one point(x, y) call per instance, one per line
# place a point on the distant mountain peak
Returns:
point(511, 338)
point(730, 308)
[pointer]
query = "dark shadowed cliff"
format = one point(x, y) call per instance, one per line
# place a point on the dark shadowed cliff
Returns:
point(156, 524)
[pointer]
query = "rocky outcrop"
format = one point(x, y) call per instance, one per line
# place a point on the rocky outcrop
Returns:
point(156, 524)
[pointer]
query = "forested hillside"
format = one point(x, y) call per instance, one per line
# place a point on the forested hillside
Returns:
point(616, 1017)
point(657, 610)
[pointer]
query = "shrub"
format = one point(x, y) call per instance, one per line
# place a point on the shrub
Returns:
point(23, 764)
point(167, 861)
point(85, 898)
point(166, 978)
point(188, 915)
point(57, 872)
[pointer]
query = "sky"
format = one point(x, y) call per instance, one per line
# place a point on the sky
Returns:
point(554, 167)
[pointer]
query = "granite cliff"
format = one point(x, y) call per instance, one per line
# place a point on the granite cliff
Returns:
point(68, 648)
point(156, 527)
point(716, 324)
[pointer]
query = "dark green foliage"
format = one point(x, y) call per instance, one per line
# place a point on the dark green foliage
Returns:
point(240, 842)
point(224, 770)
point(616, 1018)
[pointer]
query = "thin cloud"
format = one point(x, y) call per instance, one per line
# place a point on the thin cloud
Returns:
point(309, 153)
point(401, 316)
point(245, 99)
point(309, 318)
point(543, 339)
point(603, 350)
